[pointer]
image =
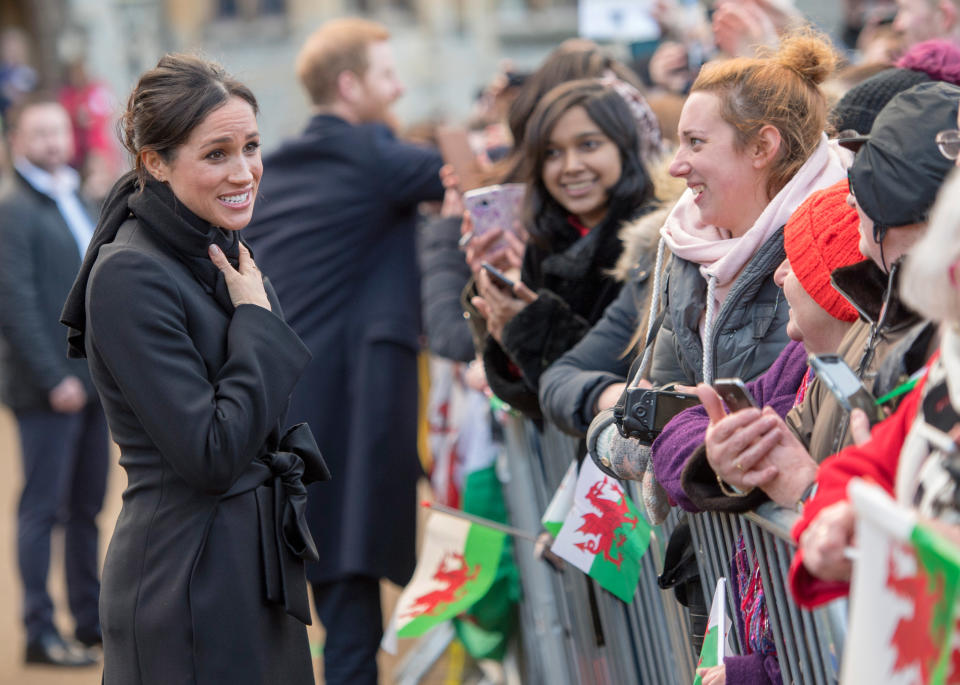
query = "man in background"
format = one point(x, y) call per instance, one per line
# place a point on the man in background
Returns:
point(334, 230)
point(44, 231)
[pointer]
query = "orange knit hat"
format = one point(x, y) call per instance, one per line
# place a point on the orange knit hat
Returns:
point(822, 235)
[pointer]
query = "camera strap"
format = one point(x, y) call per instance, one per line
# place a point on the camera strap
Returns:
point(647, 348)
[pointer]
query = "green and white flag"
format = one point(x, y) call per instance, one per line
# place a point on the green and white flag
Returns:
point(716, 636)
point(604, 534)
point(561, 503)
point(457, 564)
point(903, 617)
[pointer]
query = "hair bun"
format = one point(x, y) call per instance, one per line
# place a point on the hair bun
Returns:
point(809, 53)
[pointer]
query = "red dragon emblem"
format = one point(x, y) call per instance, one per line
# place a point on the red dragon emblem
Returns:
point(454, 573)
point(613, 514)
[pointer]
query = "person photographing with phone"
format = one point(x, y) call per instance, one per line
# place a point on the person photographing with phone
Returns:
point(705, 445)
point(895, 456)
point(696, 456)
point(585, 176)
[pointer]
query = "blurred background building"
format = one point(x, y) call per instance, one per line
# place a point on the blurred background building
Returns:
point(446, 49)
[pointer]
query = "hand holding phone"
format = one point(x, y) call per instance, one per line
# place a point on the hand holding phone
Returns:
point(850, 392)
point(498, 276)
point(493, 207)
point(734, 393)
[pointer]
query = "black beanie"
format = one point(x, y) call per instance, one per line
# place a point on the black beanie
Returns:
point(857, 109)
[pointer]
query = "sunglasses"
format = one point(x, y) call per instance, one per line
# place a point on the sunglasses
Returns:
point(949, 143)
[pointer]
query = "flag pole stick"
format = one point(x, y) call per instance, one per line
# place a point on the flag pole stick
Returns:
point(509, 530)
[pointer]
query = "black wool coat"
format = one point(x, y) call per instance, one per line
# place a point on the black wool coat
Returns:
point(39, 259)
point(193, 394)
point(334, 228)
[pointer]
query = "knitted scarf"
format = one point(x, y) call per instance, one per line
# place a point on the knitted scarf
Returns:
point(185, 235)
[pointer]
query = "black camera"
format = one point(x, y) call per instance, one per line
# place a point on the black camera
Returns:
point(642, 413)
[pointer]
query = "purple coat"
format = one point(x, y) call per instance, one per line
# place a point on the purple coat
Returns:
point(684, 435)
point(777, 387)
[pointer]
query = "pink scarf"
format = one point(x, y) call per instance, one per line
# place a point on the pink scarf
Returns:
point(722, 256)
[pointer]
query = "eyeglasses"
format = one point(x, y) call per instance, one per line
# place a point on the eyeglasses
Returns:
point(949, 143)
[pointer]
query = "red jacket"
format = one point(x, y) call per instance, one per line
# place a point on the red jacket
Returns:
point(876, 460)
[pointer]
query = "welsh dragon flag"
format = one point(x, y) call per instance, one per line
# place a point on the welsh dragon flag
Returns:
point(457, 564)
point(561, 503)
point(604, 534)
point(903, 619)
point(714, 639)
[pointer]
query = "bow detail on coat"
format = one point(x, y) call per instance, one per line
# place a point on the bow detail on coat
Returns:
point(277, 479)
point(296, 460)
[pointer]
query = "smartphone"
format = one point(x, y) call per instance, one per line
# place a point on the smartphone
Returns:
point(734, 393)
point(454, 145)
point(840, 379)
point(493, 207)
point(498, 276)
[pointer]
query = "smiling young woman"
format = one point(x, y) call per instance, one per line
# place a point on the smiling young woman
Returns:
point(195, 366)
point(580, 167)
point(752, 148)
point(582, 164)
point(216, 171)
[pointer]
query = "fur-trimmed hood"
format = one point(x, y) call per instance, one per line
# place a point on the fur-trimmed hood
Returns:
point(640, 236)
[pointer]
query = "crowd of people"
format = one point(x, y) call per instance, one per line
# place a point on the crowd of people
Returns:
point(248, 327)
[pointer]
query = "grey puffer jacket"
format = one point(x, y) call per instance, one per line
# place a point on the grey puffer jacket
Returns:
point(748, 333)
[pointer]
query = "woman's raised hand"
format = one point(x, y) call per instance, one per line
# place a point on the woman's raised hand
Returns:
point(502, 249)
point(738, 443)
point(452, 195)
point(245, 284)
point(497, 305)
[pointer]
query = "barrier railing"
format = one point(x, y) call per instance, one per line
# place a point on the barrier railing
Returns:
point(808, 642)
point(574, 632)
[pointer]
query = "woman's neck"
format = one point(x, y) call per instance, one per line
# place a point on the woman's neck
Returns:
point(749, 220)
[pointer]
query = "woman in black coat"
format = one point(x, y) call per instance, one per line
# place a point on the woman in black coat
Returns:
point(581, 155)
point(203, 581)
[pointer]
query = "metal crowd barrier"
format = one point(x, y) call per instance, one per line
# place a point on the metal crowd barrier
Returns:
point(574, 632)
point(809, 643)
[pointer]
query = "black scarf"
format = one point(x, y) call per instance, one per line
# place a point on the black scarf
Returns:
point(185, 235)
